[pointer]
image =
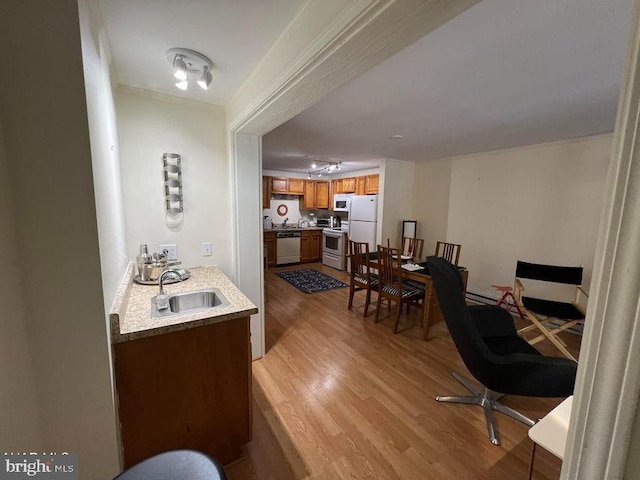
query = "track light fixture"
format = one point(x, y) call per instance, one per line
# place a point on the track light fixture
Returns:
point(187, 62)
point(179, 68)
point(205, 79)
point(329, 167)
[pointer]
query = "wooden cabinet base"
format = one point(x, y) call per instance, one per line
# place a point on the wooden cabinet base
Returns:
point(185, 390)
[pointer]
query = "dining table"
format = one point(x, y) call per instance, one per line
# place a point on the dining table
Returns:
point(419, 272)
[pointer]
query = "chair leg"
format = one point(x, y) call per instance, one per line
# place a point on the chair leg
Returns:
point(375, 320)
point(351, 293)
point(398, 313)
point(488, 400)
point(552, 338)
point(367, 302)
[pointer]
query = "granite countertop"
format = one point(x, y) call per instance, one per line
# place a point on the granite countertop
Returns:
point(130, 315)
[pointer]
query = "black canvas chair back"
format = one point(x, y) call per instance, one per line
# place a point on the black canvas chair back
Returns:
point(549, 273)
point(490, 347)
point(533, 307)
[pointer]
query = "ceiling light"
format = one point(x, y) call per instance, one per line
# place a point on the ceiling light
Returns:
point(205, 79)
point(188, 63)
point(338, 166)
point(179, 68)
point(314, 165)
point(319, 174)
point(309, 176)
point(396, 137)
point(329, 168)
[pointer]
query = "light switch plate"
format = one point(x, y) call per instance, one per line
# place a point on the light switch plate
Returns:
point(171, 249)
point(206, 249)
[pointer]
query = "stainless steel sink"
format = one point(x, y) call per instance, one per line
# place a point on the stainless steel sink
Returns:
point(189, 302)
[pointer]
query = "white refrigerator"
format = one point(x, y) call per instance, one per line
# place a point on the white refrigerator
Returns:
point(363, 219)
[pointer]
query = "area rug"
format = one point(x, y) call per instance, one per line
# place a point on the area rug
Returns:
point(310, 281)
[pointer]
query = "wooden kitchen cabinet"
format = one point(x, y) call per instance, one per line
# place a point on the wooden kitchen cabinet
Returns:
point(266, 192)
point(272, 248)
point(360, 185)
point(322, 194)
point(187, 389)
point(309, 194)
point(372, 184)
point(316, 194)
point(315, 246)
point(296, 186)
point(305, 247)
point(279, 185)
point(348, 185)
point(310, 246)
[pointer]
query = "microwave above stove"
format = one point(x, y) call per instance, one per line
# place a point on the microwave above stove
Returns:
point(341, 202)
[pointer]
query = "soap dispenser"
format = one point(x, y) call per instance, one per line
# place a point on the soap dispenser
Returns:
point(143, 259)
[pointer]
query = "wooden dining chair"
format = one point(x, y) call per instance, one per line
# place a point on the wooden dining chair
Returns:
point(392, 287)
point(449, 251)
point(361, 277)
point(413, 246)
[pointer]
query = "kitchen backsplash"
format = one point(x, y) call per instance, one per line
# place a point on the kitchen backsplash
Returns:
point(294, 213)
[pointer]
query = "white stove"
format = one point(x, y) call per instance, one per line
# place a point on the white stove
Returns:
point(334, 253)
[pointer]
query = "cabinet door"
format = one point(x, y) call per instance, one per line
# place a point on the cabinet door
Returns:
point(372, 184)
point(348, 185)
point(305, 251)
point(279, 185)
point(360, 185)
point(322, 194)
point(266, 192)
point(309, 194)
point(271, 243)
point(296, 186)
point(316, 245)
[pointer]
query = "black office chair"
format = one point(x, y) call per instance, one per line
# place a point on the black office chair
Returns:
point(175, 465)
point(502, 361)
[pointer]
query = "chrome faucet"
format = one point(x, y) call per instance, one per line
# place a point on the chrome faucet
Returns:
point(284, 223)
point(161, 300)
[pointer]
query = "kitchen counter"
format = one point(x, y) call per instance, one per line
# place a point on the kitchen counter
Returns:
point(293, 229)
point(130, 315)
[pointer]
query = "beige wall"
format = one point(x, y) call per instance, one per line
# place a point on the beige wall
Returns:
point(431, 192)
point(44, 113)
point(395, 204)
point(104, 150)
point(19, 422)
point(538, 203)
point(151, 125)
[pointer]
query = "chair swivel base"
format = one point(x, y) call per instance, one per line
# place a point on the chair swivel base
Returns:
point(488, 400)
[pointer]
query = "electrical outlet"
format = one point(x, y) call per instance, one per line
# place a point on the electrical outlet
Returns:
point(171, 249)
point(206, 249)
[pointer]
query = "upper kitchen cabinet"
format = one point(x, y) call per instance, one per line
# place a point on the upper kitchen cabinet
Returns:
point(316, 194)
point(279, 185)
point(348, 185)
point(322, 194)
point(361, 187)
point(266, 192)
point(293, 186)
point(296, 186)
point(372, 184)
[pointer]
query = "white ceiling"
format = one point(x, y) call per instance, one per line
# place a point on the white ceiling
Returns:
point(504, 73)
point(234, 34)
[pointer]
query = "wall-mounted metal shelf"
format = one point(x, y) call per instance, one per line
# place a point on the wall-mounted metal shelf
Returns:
point(172, 182)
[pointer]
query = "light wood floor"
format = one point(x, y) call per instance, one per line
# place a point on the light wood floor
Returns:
point(337, 396)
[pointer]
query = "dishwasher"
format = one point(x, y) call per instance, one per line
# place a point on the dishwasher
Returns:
point(288, 247)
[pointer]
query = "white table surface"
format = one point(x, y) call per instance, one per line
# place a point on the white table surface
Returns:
point(551, 432)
